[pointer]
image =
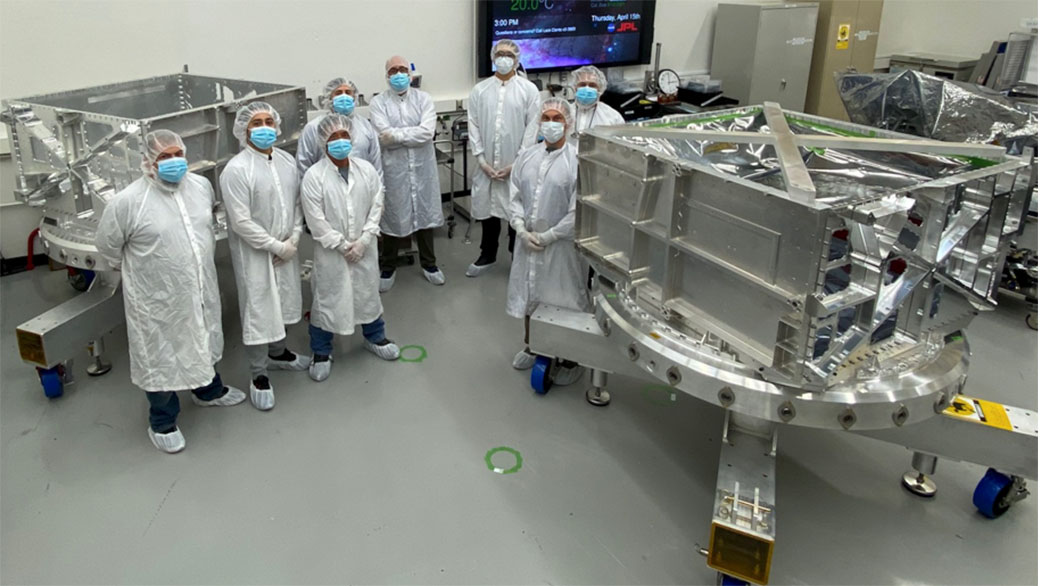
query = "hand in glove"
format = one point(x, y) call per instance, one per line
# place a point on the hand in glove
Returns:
point(489, 170)
point(503, 174)
point(288, 250)
point(387, 138)
point(355, 251)
point(531, 241)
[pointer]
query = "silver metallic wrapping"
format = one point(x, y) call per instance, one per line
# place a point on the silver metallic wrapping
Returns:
point(917, 103)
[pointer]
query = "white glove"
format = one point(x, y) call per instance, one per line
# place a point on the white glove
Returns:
point(489, 170)
point(355, 251)
point(544, 238)
point(288, 250)
point(503, 174)
point(387, 138)
point(531, 241)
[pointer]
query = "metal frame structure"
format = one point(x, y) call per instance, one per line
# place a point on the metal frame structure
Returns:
point(716, 282)
point(76, 149)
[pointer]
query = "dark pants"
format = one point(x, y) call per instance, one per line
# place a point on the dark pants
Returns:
point(390, 245)
point(322, 341)
point(490, 231)
point(163, 406)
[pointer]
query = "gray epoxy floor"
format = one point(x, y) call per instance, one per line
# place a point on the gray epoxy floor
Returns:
point(378, 475)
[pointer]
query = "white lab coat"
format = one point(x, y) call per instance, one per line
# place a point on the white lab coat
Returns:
point(164, 239)
point(365, 144)
point(413, 200)
point(262, 198)
point(585, 118)
point(338, 213)
point(498, 115)
point(543, 190)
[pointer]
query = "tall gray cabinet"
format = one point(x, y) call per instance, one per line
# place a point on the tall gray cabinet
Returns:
point(762, 52)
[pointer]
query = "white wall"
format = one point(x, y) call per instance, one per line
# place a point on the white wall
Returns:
point(963, 28)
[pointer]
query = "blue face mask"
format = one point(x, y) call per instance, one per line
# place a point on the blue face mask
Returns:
point(343, 104)
point(262, 137)
point(339, 149)
point(173, 169)
point(586, 96)
point(399, 81)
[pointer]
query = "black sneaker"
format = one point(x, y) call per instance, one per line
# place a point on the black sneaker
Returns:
point(262, 383)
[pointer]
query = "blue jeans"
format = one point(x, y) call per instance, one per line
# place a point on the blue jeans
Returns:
point(163, 406)
point(322, 341)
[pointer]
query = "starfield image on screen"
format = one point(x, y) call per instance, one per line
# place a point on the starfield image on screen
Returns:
point(562, 34)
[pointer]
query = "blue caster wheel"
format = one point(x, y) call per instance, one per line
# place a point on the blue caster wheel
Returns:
point(80, 280)
point(991, 492)
point(50, 378)
point(540, 380)
point(725, 580)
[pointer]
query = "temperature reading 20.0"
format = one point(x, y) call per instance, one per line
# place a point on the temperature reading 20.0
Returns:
point(530, 5)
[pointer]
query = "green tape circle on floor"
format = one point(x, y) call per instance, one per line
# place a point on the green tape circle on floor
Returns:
point(422, 353)
point(493, 451)
point(661, 395)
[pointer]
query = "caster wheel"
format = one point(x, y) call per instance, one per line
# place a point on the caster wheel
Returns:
point(53, 387)
point(80, 281)
point(991, 492)
point(540, 379)
point(1032, 321)
point(725, 580)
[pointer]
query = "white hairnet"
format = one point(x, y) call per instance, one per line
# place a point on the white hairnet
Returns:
point(396, 61)
point(333, 85)
point(330, 124)
point(155, 143)
point(507, 44)
point(560, 105)
point(589, 73)
point(247, 112)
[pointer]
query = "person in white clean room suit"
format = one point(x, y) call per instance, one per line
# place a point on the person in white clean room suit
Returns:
point(342, 198)
point(405, 121)
point(261, 191)
point(159, 232)
point(588, 84)
point(500, 110)
point(339, 96)
point(546, 267)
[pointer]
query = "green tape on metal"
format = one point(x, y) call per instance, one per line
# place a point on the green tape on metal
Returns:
point(422, 354)
point(493, 468)
point(720, 118)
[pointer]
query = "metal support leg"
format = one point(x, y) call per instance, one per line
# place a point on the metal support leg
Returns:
point(597, 395)
point(99, 366)
point(917, 480)
point(744, 515)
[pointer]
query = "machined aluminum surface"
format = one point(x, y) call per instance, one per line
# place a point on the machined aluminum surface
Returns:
point(74, 150)
point(822, 270)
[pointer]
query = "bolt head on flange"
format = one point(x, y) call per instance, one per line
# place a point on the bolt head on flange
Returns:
point(726, 396)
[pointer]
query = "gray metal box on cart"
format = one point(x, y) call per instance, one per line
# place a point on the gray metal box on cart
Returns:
point(762, 52)
point(947, 66)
